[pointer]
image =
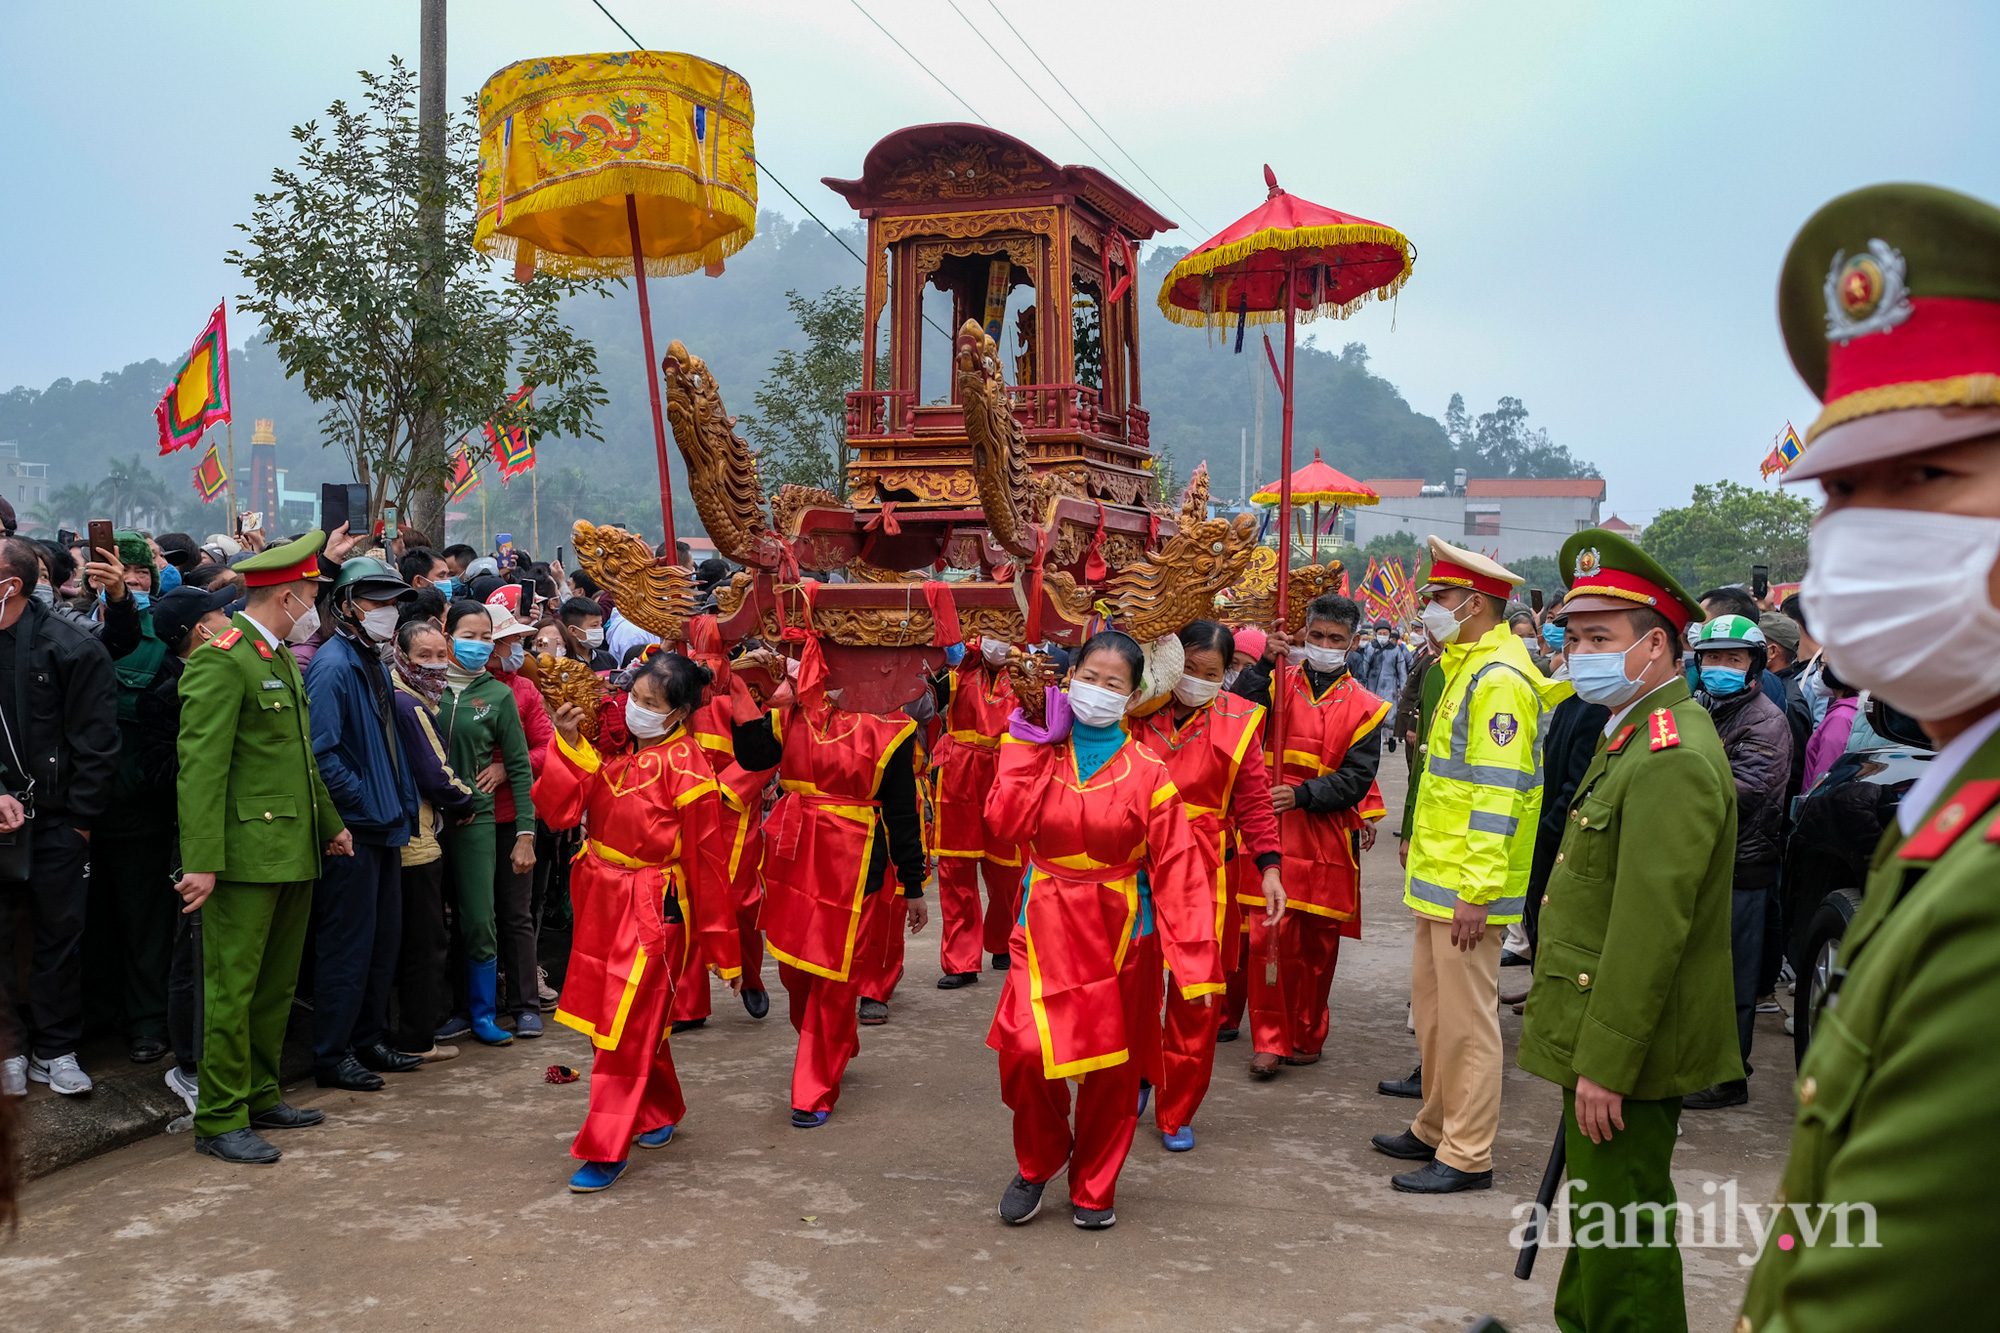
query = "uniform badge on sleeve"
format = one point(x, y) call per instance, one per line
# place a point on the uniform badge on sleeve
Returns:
point(1503, 728)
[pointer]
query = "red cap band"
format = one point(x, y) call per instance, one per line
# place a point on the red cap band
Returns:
point(1631, 588)
point(1444, 571)
point(1944, 337)
point(265, 578)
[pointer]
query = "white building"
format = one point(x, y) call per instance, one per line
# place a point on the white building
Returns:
point(24, 484)
point(1508, 518)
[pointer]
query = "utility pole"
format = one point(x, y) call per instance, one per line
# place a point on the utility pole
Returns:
point(427, 501)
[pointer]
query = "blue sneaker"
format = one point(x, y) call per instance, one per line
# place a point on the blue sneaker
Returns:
point(1181, 1140)
point(1145, 1096)
point(528, 1025)
point(656, 1138)
point(594, 1176)
point(454, 1027)
point(809, 1119)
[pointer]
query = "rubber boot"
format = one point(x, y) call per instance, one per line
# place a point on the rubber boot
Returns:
point(482, 980)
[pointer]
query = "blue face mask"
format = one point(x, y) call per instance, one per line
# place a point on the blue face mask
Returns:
point(170, 578)
point(1721, 681)
point(1552, 635)
point(1600, 678)
point(447, 587)
point(143, 599)
point(471, 653)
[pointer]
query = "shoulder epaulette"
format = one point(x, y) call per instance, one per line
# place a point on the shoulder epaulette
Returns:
point(1623, 736)
point(264, 651)
point(1665, 737)
point(1936, 837)
point(226, 639)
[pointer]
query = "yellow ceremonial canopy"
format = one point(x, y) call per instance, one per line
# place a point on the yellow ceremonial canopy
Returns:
point(564, 141)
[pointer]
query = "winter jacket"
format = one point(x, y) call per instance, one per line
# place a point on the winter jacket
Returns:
point(354, 740)
point(442, 794)
point(480, 719)
point(1568, 746)
point(149, 718)
point(1382, 670)
point(1829, 738)
point(535, 725)
point(1757, 738)
point(65, 708)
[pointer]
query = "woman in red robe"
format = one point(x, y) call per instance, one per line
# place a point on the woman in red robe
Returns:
point(1212, 746)
point(649, 875)
point(1111, 858)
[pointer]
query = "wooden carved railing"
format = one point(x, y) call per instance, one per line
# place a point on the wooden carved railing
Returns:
point(879, 413)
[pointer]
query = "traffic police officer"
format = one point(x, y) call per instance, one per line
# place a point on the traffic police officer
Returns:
point(254, 817)
point(1890, 304)
point(1631, 1007)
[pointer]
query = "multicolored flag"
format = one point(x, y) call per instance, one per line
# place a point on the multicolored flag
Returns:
point(1378, 597)
point(512, 449)
point(464, 476)
point(209, 478)
point(1783, 454)
point(199, 394)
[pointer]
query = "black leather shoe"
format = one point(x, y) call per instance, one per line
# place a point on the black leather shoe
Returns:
point(241, 1146)
point(384, 1059)
point(1437, 1178)
point(146, 1050)
point(348, 1074)
point(688, 1025)
point(1001, 962)
point(957, 980)
point(1734, 1093)
point(1404, 1145)
point(285, 1116)
point(1228, 1034)
point(757, 1002)
point(1413, 1086)
point(872, 1013)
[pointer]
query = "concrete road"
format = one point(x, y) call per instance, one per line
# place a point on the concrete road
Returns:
point(440, 1203)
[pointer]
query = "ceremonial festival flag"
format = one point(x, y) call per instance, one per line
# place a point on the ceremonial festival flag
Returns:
point(464, 475)
point(1783, 454)
point(199, 394)
point(209, 478)
point(512, 450)
point(1377, 594)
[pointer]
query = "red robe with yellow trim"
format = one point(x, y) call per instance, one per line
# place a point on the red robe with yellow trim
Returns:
point(1086, 843)
point(821, 834)
point(966, 758)
point(742, 796)
point(653, 833)
point(1320, 871)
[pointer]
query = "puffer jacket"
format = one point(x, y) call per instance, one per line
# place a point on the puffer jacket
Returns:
point(1758, 740)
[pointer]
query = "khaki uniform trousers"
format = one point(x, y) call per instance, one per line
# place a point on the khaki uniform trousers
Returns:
point(1455, 1002)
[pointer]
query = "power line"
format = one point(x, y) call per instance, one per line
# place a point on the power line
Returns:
point(1184, 210)
point(920, 64)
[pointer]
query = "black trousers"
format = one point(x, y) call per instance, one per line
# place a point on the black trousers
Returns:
point(184, 991)
point(423, 988)
point(357, 930)
point(514, 920)
point(58, 895)
point(129, 932)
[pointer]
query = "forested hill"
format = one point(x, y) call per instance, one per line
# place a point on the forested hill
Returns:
point(1200, 395)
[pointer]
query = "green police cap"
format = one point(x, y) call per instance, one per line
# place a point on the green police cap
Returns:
point(1606, 572)
point(289, 563)
point(1890, 304)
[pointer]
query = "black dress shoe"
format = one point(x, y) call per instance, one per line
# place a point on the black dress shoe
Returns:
point(348, 1074)
point(1413, 1086)
point(1437, 1178)
point(1404, 1145)
point(956, 980)
point(285, 1116)
point(241, 1146)
point(757, 1002)
point(1734, 1093)
point(384, 1059)
point(1228, 1034)
point(688, 1025)
point(146, 1050)
point(1001, 962)
point(872, 1013)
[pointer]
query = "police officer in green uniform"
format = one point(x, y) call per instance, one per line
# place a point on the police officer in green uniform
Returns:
point(254, 817)
point(1632, 1006)
point(1890, 305)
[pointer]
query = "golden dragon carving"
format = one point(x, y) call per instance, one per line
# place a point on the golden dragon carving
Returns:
point(656, 597)
point(999, 446)
point(564, 680)
point(1167, 589)
point(721, 470)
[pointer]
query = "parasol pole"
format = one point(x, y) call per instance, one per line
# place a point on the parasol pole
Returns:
point(652, 375)
point(1315, 532)
point(1284, 523)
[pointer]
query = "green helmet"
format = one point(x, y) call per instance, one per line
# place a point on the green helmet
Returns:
point(365, 576)
point(1727, 632)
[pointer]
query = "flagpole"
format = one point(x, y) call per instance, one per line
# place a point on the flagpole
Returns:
point(535, 486)
point(482, 517)
point(235, 514)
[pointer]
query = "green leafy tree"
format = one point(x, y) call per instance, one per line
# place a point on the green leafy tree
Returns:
point(387, 319)
point(1501, 444)
point(800, 426)
point(1724, 529)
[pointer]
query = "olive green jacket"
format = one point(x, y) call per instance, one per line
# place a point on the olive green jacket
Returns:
point(1632, 985)
point(252, 806)
point(477, 722)
point(1899, 1095)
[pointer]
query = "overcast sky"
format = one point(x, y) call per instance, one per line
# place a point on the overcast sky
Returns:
point(1600, 193)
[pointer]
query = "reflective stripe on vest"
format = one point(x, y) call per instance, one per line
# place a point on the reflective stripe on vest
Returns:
point(1439, 896)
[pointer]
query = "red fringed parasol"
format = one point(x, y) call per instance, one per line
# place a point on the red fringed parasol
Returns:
point(1317, 484)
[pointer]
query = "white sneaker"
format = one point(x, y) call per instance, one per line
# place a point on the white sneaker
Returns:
point(544, 992)
point(14, 1076)
point(63, 1074)
point(184, 1086)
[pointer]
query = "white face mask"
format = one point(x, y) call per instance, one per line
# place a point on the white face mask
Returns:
point(1229, 677)
point(594, 637)
point(1194, 692)
point(1316, 657)
point(644, 722)
point(305, 626)
point(1898, 600)
point(993, 650)
point(1095, 706)
point(1382, 640)
point(1442, 622)
point(380, 623)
